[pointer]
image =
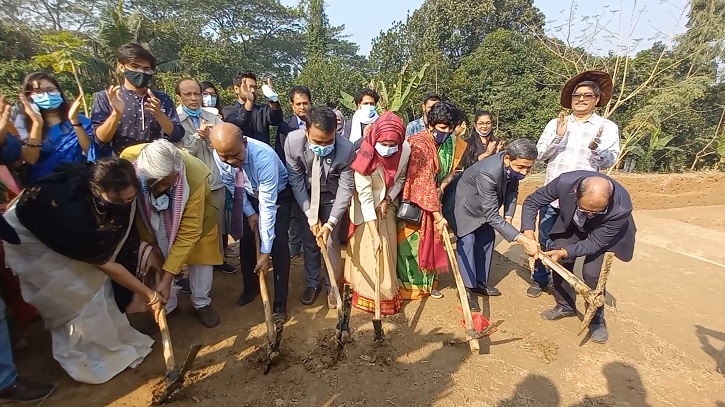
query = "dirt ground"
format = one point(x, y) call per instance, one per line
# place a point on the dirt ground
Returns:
point(665, 315)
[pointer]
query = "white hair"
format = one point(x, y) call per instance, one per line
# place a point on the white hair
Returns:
point(158, 159)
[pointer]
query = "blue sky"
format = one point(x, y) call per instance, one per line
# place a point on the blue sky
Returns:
point(648, 20)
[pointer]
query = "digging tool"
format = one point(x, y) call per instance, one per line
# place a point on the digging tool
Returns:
point(174, 378)
point(593, 298)
point(467, 316)
point(377, 322)
point(343, 307)
point(274, 329)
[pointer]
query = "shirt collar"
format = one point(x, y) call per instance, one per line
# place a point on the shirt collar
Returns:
point(593, 119)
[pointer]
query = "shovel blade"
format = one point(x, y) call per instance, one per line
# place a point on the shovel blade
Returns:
point(175, 378)
point(378, 328)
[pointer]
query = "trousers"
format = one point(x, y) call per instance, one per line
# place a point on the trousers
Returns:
point(474, 253)
point(201, 278)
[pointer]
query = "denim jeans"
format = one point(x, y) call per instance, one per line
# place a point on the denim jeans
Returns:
point(547, 218)
point(7, 367)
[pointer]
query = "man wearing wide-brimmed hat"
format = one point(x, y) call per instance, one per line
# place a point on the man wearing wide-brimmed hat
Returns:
point(582, 140)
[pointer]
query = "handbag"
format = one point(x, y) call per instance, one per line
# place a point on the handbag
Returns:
point(410, 213)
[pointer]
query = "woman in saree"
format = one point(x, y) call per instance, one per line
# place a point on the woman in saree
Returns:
point(435, 153)
point(53, 132)
point(71, 226)
point(380, 168)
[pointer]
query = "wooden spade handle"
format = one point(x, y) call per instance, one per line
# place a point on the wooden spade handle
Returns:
point(467, 315)
point(166, 342)
point(265, 294)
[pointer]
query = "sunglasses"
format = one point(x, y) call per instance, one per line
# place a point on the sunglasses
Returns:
point(591, 213)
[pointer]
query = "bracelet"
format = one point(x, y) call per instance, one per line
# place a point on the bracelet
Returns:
point(377, 238)
point(329, 226)
point(439, 220)
point(76, 125)
point(155, 299)
point(25, 142)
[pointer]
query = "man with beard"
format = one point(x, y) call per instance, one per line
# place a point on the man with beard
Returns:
point(253, 119)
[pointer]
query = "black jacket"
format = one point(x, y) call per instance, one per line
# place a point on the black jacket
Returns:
point(256, 123)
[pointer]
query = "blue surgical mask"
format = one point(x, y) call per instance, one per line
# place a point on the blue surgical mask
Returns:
point(514, 175)
point(47, 100)
point(385, 151)
point(209, 101)
point(441, 136)
point(322, 151)
point(193, 113)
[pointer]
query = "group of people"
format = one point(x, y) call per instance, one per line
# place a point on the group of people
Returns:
point(124, 210)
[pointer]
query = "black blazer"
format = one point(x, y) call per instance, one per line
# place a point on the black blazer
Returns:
point(479, 194)
point(256, 123)
point(283, 130)
point(613, 231)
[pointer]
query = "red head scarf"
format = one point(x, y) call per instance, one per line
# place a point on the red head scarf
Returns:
point(389, 127)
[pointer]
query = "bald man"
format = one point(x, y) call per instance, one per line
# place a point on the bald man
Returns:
point(595, 217)
point(267, 205)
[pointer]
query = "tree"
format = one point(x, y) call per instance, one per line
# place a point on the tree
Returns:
point(57, 15)
point(63, 56)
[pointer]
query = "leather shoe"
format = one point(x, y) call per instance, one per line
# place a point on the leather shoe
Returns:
point(208, 316)
point(483, 289)
point(310, 295)
point(599, 333)
point(279, 312)
point(26, 391)
point(247, 297)
point(472, 300)
point(557, 313)
point(536, 289)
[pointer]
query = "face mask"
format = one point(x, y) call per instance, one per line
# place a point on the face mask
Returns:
point(194, 113)
point(514, 175)
point(103, 204)
point(385, 151)
point(138, 79)
point(322, 151)
point(369, 110)
point(209, 101)
point(160, 203)
point(47, 100)
point(440, 136)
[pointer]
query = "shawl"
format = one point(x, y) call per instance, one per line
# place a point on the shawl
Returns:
point(171, 216)
point(358, 119)
point(59, 211)
point(388, 128)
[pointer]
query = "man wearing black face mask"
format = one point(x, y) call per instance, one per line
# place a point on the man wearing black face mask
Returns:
point(473, 213)
point(132, 113)
point(595, 217)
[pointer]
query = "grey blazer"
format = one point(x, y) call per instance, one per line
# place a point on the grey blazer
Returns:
point(479, 194)
point(337, 176)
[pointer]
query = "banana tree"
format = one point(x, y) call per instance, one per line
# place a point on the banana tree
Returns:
point(406, 86)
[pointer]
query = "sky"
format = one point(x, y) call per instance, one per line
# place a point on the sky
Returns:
point(646, 20)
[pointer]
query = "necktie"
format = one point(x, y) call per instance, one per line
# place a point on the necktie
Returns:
point(315, 197)
point(238, 206)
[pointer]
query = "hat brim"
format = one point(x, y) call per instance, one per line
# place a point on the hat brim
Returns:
point(602, 78)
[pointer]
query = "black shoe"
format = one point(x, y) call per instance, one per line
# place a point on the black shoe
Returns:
point(310, 295)
point(226, 268)
point(184, 285)
point(536, 289)
point(26, 391)
point(279, 312)
point(599, 332)
point(557, 313)
point(247, 297)
point(483, 289)
point(472, 300)
point(294, 251)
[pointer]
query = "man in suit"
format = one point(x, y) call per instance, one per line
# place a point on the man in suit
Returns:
point(253, 119)
point(595, 216)
point(318, 162)
point(300, 99)
point(197, 124)
point(473, 213)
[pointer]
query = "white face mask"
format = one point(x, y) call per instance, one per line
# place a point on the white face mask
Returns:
point(385, 151)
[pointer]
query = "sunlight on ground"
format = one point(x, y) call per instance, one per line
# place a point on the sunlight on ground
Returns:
point(223, 344)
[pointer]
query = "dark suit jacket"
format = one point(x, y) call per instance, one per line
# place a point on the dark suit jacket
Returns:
point(337, 176)
point(256, 123)
point(479, 194)
point(348, 129)
point(283, 130)
point(613, 231)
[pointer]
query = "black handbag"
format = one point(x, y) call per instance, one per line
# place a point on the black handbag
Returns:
point(410, 213)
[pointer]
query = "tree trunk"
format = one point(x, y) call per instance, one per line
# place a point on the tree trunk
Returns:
point(80, 88)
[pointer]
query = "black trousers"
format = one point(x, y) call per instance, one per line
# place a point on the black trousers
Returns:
point(280, 248)
point(564, 293)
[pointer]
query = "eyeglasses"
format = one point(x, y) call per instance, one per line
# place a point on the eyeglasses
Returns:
point(591, 213)
point(138, 68)
point(585, 96)
point(40, 91)
point(484, 123)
